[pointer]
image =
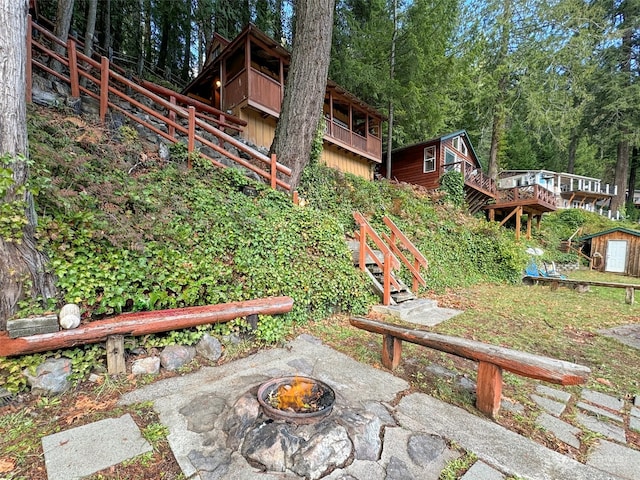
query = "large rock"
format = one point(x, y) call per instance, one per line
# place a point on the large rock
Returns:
point(209, 347)
point(146, 366)
point(51, 378)
point(175, 356)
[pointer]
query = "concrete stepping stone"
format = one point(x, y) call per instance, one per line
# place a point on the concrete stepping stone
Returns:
point(603, 400)
point(563, 431)
point(615, 459)
point(551, 406)
point(609, 430)
point(82, 451)
point(634, 424)
point(553, 393)
point(482, 471)
point(601, 412)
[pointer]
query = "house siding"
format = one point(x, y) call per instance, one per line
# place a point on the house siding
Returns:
point(407, 167)
point(632, 264)
point(346, 162)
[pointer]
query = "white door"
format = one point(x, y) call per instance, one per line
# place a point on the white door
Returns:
point(616, 256)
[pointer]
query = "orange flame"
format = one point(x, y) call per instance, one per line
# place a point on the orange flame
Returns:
point(294, 396)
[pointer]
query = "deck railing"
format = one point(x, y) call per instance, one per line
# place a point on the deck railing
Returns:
point(534, 193)
point(370, 144)
point(105, 86)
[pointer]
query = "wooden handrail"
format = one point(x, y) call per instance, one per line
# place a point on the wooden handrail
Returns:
point(419, 260)
point(492, 359)
point(390, 261)
point(106, 86)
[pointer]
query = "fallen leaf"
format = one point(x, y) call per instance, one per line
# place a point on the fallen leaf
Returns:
point(7, 465)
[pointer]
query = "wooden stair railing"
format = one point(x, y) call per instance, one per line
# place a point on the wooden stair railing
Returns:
point(389, 262)
point(492, 359)
point(393, 248)
point(418, 258)
point(105, 84)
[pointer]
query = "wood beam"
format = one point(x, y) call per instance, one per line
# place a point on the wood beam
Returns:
point(143, 323)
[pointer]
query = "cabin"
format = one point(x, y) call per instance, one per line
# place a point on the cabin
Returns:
point(246, 76)
point(424, 164)
point(616, 250)
point(570, 190)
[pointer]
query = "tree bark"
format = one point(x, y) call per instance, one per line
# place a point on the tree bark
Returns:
point(22, 266)
point(61, 29)
point(89, 32)
point(392, 74)
point(306, 85)
point(573, 147)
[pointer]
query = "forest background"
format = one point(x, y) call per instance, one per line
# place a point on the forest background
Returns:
point(537, 84)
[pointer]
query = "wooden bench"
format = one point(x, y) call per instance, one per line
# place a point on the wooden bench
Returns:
point(491, 360)
point(143, 323)
point(630, 288)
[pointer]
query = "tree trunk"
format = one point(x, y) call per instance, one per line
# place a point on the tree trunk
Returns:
point(392, 75)
point(22, 267)
point(186, 65)
point(106, 27)
point(622, 172)
point(61, 29)
point(306, 85)
point(633, 170)
point(573, 147)
point(90, 32)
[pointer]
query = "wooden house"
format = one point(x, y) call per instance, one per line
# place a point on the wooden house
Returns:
point(570, 190)
point(616, 250)
point(424, 164)
point(246, 77)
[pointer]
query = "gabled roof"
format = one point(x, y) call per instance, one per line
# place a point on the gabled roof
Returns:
point(605, 232)
point(459, 133)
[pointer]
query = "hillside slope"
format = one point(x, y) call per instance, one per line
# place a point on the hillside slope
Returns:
point(127, 231)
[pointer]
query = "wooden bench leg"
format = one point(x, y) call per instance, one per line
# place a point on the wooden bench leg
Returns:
point(115, 355)
point(631, 294)
point(489, 388)
point(391, 351)
point(554, 285)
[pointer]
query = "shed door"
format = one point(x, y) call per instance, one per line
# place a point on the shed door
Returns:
point(616, 256)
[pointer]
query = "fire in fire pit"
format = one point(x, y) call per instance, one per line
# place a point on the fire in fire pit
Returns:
point(298, 399)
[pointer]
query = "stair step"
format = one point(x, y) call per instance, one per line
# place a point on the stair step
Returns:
point(403, 296)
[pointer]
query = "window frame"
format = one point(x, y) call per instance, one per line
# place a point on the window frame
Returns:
point(431, 159)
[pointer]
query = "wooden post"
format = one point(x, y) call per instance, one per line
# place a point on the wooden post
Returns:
point(73, 68)
point(363, 247)
point(115, 355)
point(416, 283)
point(630, 296)
point(274, 170)
point(104, 88)
point(29, 67)
point(172, 117)
point(391, 351)
point(492, 214)
point(529, 222)
point(192, 134)
point(296, 198)
point(386, 272)
point(518, 226)
point(489, 388)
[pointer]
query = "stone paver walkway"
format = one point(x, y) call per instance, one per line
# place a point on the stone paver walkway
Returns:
point(188, 405)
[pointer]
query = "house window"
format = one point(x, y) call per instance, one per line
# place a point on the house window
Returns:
point(429, 160)
point(450, 161)
point(458, 144)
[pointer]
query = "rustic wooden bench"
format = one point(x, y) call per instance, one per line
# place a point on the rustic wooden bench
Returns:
point(630, 288)
point(113, 329)
point(491, 360)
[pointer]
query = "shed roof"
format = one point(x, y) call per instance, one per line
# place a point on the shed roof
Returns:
point(611, 230)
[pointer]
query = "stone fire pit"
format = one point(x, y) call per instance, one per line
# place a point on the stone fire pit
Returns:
point(301, 400)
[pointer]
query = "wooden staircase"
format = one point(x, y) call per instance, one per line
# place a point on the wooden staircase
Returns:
point(382, 262)
point(168, 114)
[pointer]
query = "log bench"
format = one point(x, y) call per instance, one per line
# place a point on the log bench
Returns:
point(491, 360)
point(143, 323)
point(630, 288)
